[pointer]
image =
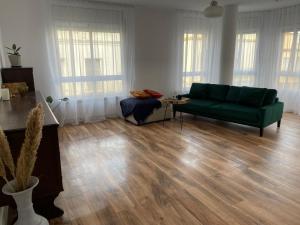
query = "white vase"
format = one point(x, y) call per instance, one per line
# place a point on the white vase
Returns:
point(15, 60)
point(23, 199)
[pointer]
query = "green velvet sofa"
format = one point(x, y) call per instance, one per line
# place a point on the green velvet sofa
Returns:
point(256, 107)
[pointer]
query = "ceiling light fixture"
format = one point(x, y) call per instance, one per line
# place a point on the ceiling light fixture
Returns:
point(214, 10)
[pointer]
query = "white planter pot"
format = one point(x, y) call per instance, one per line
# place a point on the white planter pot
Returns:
point(15, 60)
point(23, 199)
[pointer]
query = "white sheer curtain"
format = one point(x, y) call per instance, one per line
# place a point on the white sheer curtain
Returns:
point(3, 210)
point(268, 53)
point(1, 52)
point(288, 69)
point(92, 54)
point(246, 54)
point(198, 43)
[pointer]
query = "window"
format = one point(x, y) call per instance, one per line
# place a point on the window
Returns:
point(94, 63)
point(289, 76)
point(193, 59)
point(90, 62)
point(245, 59)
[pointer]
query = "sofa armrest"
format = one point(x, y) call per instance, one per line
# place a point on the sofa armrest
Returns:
point(271, 114)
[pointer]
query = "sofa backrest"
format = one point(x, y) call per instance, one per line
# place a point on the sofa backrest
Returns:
point(218, 92)
point(252, 96)
point(233, 94)
point(209, 91)
point(270, 97)
point(249, 96)
point(199, 91)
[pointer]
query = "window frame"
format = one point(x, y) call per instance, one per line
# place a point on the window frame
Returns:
point(254, 71)
point(202, 74)
point(285, 73)
point(73, 78)
point(297, 35)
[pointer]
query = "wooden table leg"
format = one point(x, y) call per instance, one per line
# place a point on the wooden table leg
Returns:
point(167, 105)
point(46, 207)
point(181, 120)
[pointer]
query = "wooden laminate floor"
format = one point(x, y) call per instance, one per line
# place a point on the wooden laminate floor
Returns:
point(211, 173)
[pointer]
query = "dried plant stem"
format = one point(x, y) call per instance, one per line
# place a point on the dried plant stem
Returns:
point(3, 174)
point(2, 171)
point(28, 154)
point(5, 154)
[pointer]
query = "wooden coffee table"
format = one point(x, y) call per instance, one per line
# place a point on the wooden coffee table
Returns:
point(174, 101)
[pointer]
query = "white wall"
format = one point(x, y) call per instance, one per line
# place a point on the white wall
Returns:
point(154, 36)
point(21, 23)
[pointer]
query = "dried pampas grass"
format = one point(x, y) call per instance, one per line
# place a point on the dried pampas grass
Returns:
point(5, 154)
point(2, 171)
point(28, 153)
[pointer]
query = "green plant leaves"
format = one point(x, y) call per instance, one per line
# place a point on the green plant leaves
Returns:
point(14, 50)
point(49, 99)
point(65, 99)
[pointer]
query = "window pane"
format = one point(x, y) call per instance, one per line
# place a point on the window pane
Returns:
point(63, 37)
point(286, 50)
point(243, 80)
point(89, 60)
point(289, 81)
point(189, 80)
point(109, 86)
point(193, 53)
point(89, 88)
point(188, 52)
point(199, 53)
point(107, 47)
point(289, 76)
point(82, 50)
point(245, 59)
point(94, 66)
point(193, 59)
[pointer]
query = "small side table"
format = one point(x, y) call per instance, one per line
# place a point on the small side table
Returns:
point(174, 101)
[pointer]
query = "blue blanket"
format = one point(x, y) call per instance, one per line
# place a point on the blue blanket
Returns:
point(139, 108)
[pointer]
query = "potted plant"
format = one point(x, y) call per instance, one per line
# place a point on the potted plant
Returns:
point(22, 185)
point(14, 56)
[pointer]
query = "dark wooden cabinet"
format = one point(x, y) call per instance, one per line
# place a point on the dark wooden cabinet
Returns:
point(18, 74)
point(13, 116)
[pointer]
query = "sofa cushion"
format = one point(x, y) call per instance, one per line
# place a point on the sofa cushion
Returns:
point(153, 93)
point(140, 94)
point(196, 106)
point(236, 113)
point(199, 91)
point(270, 97)
point(233, 94)
point(252, 96)
point(217, 91)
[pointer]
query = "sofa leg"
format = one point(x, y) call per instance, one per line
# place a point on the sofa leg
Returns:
point(278, 123)
point(174, 113)
point(261, 132)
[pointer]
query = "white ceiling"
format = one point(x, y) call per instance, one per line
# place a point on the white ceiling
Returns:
point(244, 5)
